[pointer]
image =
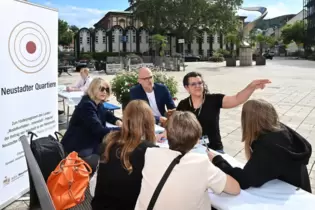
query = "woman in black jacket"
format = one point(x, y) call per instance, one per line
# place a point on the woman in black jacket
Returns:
point(87, 126)
point(120, 170)
point(273, 150)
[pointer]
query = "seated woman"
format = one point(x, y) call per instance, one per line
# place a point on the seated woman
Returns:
point(187, 186)
point(119, 173)
point(84, 82)
point(87, 126)
point(273, 150)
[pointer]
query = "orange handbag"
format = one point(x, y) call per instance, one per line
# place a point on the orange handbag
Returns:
point(68, 182)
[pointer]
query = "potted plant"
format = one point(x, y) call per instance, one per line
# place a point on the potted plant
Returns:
point(233, 39)
point(125, 80)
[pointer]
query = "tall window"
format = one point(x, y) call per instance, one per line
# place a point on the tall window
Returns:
point(81, 40)
point(104, 39)
point(88, 40)
point(113, 38)
point(96, 39)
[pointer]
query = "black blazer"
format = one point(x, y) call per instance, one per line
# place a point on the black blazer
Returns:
point(87, 128)
point(162, 97)
point(279, 155)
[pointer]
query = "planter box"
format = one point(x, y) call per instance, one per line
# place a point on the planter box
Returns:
point(260, 61)
point(230, 61)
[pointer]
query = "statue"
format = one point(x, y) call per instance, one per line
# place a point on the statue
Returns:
point(249, 27)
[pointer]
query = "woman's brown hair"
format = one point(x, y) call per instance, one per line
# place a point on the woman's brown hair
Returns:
point(258, 117)
point(138, 125)
point(183, 131)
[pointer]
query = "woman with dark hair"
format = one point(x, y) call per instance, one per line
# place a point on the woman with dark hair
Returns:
point(120, 169)
point(273, 150)
point(206, 106)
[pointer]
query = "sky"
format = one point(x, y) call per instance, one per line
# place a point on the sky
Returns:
point(85, 13)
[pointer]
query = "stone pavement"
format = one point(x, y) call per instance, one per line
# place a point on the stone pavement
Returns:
point(292, 92)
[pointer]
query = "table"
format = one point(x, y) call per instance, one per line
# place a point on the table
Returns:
point(274, 195)
point(74, 97)
point(64, 69)
point(158, 129)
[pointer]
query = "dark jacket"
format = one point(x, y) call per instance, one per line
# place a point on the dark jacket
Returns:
point(87, 128)
point(116, 189)
point(162, 96)
point(279, 155)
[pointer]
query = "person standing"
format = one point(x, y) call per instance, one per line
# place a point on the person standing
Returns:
point(206, 106)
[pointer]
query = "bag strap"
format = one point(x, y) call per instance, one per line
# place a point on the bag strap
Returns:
point(162, 182)
point(57, 134)
point(32, 135)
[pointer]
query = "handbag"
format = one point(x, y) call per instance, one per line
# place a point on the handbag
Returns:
point(162, 182)
point(68, 182)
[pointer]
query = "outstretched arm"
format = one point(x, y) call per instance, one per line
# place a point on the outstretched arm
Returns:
point(243, 96)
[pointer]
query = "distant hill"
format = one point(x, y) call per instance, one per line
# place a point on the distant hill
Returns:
point(274, 22)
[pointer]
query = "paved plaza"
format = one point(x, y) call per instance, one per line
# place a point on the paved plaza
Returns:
point(292, 92)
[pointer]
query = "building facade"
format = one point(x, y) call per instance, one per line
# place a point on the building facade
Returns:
point(119, 32)
point(309, 16)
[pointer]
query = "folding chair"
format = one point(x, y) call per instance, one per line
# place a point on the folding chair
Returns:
point(37, 179)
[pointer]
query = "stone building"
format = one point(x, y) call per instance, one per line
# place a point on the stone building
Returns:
point(120, 32)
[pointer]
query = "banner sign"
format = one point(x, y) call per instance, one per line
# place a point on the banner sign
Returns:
point(28, 88)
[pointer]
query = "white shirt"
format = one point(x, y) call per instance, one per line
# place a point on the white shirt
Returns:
point(153, 105)
point(83, 85)
point(187, 186)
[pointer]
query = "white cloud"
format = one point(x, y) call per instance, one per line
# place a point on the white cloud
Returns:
point(81, 17)
point(277, 9)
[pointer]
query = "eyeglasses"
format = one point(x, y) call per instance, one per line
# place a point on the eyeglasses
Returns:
point(102, 89)
point(196, 84)
point(146, 78)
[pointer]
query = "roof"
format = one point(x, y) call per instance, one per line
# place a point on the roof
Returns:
point(113, 13)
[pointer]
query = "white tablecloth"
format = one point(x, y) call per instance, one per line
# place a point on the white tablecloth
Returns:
point(158, 129)
point(274, 195)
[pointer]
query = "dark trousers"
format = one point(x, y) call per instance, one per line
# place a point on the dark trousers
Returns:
point(92, 160)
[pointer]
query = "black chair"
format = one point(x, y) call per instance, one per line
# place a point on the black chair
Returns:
point(37, 178)
point(37, 181)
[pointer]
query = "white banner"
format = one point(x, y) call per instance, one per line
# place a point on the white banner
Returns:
point(28, 87)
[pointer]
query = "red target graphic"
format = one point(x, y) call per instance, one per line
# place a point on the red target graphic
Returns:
point(29, 47)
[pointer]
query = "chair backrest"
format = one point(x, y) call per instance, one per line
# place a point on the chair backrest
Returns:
point(37, 177)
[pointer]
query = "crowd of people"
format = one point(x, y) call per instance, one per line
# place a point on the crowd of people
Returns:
point(130, 165)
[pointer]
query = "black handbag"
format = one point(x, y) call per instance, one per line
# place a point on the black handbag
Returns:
point(162, 182)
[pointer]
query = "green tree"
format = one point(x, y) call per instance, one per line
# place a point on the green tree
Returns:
point(293, 33)
point(65, 35)
point(74, 29)
point(185, 17)
point(160, 43)
point(233, 38)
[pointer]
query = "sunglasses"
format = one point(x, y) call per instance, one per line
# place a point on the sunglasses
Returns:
point(102, 89)
point(195, 84)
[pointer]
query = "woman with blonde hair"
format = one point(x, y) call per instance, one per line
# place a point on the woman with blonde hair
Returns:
point(119, 174)
point(84, 82)
point(87, 126)
point(273, 150)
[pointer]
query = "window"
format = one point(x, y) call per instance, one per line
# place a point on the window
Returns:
point(88, 40)
point(104, 39)
point(134, 39)
point(96, 39)
point(208, 39)
point(209, 53)
point(201, 52)
point(218, 39)
point(113, 38)
point(81, 40)
point(127, 38)
point(140, 39)
point(147, 39)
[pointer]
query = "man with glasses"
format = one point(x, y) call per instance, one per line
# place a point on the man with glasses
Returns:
point(206, 106)
point(157, 95)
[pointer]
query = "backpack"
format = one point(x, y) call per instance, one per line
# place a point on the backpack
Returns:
point(48, 152)
point(68, 183)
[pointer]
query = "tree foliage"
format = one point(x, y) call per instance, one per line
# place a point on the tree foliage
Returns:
point(185, 17)
point(160, 43)
point(66, 32)
point(293, 33)
point(74, 29)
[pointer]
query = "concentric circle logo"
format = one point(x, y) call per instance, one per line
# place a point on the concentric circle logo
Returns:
point(29, 47)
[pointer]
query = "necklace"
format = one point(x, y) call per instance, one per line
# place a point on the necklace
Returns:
point(200, 108)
